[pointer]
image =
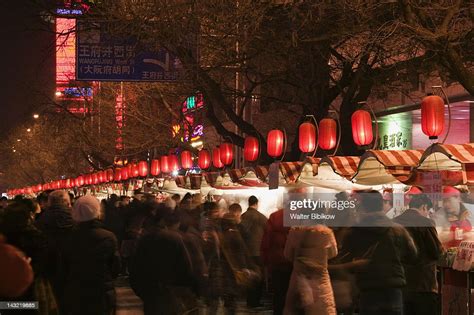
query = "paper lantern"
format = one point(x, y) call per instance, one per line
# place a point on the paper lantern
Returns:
point(432, 116)
point(307, 137)
point(133, 170)
point(362, 127)
point(226, 152)
point(327, 133)
point(101, 177)
point(174, 163)
point(118, 174)
point(251, 149)
point(80, 181)
point(155, 167)
point(125, 173)
point(275, 142)
point(165, 164)
point(95, 179)
point(88, 179)
point(186, 159)
point(204, 159)
point(143, 168)
point(110, 175)
point(216, 158)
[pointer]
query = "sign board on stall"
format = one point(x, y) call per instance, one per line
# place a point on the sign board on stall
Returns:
point(103, 57)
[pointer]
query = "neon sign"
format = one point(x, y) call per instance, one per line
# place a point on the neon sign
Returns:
point(64, 11)
point(78, 92)
point(193, 102)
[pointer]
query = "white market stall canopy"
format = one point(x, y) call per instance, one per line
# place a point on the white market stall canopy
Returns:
point(380, 167)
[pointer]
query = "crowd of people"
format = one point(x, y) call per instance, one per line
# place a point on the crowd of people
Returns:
point(66, 252)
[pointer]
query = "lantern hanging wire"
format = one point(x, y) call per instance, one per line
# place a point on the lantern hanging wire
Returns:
point(339, 128)
point(316, 146)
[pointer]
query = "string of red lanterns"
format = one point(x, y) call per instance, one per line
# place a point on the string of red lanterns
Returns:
point(432, 116)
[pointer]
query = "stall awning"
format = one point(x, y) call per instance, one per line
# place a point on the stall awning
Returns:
point(345, 166)
point(314, 161)
point(262, 172)
point(180, 181)
point(387, 166)
point(238, 173)
point(291, 171)
point(455, 162)
point(211, 177)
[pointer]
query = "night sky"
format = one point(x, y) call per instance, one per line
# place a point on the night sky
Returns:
point(26, 63)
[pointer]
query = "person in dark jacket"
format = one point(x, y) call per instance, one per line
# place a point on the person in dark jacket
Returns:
point(161, 272)
point(421, 293)
point(92, 262)
point(253, 224)
point(56, 223)
point(378, 248)
point(273, 246)
point(19, 231)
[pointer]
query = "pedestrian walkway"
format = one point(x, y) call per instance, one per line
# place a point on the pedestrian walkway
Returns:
point(130, 304)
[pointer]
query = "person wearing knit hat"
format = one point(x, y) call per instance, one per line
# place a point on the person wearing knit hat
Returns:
point(86, 208)
point(15, 271)
point(92, 261)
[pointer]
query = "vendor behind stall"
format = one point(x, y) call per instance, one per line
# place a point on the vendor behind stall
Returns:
point(455, 212)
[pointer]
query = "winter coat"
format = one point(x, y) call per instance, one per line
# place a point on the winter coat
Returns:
point(56, 223)
point(273, 243)
point(384, 246)
point(253, 225)
point(421, 275)
point(310, 290)
point(114, 220)
point(161, 261)
point(92, 263)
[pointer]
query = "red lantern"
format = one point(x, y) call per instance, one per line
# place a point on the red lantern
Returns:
point(104, 177)
point(125, 172)
point(165, 164)
point(226, 153)
point(327, 133)
point(307, 137)
point(39, 187)
point(155, 167)
point(133, 170)
point(204, 159)
point(251, 149)
point(216, 158)
point(109, 175)
point(186, 159)
point(173, 162)
point(143, 168)
point(80, 181)
point(275, 141)
point(118, 174)
point(432, 116)
point(362, 127)
point(88, 179)
point(100, 177)
point(95, 179)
